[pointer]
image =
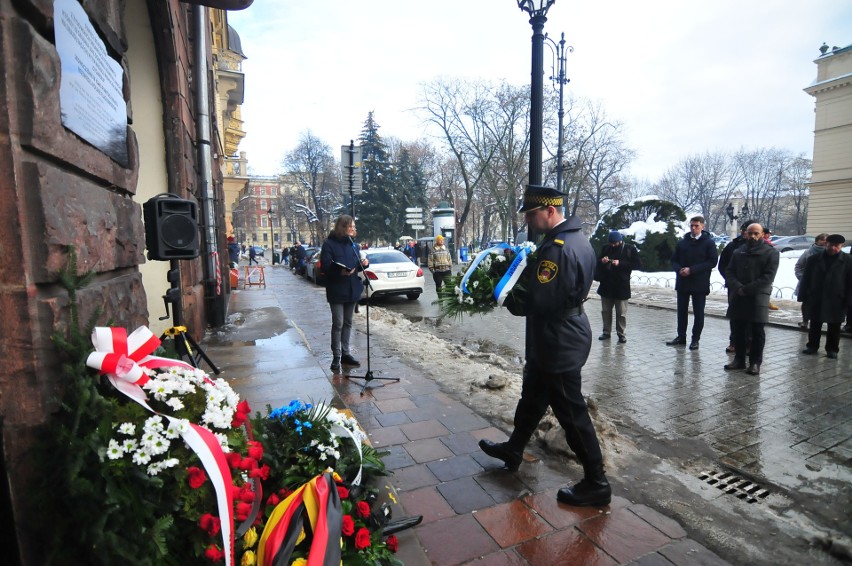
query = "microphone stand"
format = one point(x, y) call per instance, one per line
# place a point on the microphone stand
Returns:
point(367, 377)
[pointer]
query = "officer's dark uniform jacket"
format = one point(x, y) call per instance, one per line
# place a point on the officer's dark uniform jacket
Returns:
point(558, 335)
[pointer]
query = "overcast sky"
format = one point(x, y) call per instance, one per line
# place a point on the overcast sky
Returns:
point(683, 77)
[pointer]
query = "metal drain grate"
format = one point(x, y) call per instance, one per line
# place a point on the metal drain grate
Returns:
point(732, 484)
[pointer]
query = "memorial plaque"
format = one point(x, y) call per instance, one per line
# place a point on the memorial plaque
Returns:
point(91, 93)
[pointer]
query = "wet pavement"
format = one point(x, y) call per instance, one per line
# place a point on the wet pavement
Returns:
point(686, 424)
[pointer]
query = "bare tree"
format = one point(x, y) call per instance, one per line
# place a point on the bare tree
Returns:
point(312, 165)
point(796, 180)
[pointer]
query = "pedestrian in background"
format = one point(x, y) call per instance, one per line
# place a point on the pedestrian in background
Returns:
point(799, 270)
point(233, 250)
point(343, 288)
point(440, 263)
point(617, 261)
point(253, 256)
point(827, 288)
point(750, 275)
point(693, 259)
point(558, 340)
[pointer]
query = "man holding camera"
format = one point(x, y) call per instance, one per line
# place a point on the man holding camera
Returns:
point(617, 262)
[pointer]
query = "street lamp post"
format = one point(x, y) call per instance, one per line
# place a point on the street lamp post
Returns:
point(559, 77)
point(269, 214)
point(537, 9)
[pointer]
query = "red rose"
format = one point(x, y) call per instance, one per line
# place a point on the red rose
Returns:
point(362, 539)
point(255, 450)
point(210, 523)
point(393, 543)
point(242, 511)
point(243, 408)
point(284, 492)
point(213, 554)
point(238, 420)
point(273, 500)
point(246, 494)
point(348, 525)
point(196, 477)
point(363, 509)
point(261, 472)
point(233, 459)
point(342, 492)
point(248, 464)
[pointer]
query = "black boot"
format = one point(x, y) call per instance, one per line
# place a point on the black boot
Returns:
point(592, 491)
point(502, 451)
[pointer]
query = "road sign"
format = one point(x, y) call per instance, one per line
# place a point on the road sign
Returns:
point(417, 215)
point(418, 227)
point(413, 220)
point(414, 210)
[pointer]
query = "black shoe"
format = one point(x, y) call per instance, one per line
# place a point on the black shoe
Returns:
point(730, 349)
point(736, 364)
point(693, 345)
point(753, 369)
point(501, 451)
point(348, 360)
point(586, 493)
point(809, 351)
point(603, 337)
point(831, 355)
point(335, 364)
point(678, 341)
point(622, 339)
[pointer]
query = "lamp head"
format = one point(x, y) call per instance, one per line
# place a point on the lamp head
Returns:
point(535, 7)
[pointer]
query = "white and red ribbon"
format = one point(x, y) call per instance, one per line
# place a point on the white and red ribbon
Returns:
point(121, 358)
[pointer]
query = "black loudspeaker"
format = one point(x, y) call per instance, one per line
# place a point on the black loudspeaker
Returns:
point(171, 228)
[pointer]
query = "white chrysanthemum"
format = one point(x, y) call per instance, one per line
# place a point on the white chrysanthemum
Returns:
point(114, 450)
point(155, 468)
point(222, 438)
point(154, 424)
point(169, 463)
point(127, 428)
point(129, 445)
point(500, 258)
point(175, 403)
point(475, 284)
point(469, 300)
point(141, 458)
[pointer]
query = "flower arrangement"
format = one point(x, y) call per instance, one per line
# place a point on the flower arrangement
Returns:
point(169, 472)
point(485, 281)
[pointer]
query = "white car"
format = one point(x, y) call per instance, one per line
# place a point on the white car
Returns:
point(391, 273)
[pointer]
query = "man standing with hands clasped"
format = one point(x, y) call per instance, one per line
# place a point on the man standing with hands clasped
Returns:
point(749, 277)
point(618, 260)
point(827, 287)
point(693, 259)
point(558, 341)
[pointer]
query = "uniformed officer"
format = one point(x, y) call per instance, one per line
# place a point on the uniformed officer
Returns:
point(558, 341)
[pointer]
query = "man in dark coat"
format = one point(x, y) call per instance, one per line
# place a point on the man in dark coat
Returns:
point(616, 263)
point(724, 260)
point(693, 259)
point(558, 341)
point(749, 277)
point(827, 287)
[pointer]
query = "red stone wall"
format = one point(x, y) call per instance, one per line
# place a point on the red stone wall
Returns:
point(56, 190)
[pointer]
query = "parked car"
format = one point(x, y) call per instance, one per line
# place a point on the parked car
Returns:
point(391, 273)
point(313, 269)
point(302, 265)
point(258, 251)
point(789, 243)
point(721, 239)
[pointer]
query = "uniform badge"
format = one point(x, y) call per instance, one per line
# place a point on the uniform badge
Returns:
point(546, 271)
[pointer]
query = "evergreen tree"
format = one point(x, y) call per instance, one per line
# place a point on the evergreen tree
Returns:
point(411, 191)
point(375, 207)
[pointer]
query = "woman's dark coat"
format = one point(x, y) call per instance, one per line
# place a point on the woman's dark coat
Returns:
point(340, 288)
point(752, 269)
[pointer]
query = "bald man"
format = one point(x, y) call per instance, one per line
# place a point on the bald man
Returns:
point(749, 277)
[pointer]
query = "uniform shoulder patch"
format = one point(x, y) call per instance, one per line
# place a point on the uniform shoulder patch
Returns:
point(546, 271)
point(559, 242)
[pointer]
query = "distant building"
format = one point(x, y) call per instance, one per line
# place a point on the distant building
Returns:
point(830, 200)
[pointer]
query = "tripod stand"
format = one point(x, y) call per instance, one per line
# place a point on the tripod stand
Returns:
point(368, 377)
point(184, 344)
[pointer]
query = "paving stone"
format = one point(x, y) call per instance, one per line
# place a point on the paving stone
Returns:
point(623, 535)
point(464, 495)
point(428, 450)
point(386, 436)
point(424, 429)
point(413, 477)
point(667, 526)
point(501, 485)
point(455, 540)
point(461, 443)
point(512, 523)
point(454, 468)
point(687, 552)
point(562, 516)
point(428, 502)
point(502, 558)
point(554, 548)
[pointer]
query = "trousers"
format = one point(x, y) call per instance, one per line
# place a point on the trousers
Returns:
point(620, 306)
point(743, 331)
point(832, 335)
point(698, 302)
point(341, 327)
point(561, 391)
